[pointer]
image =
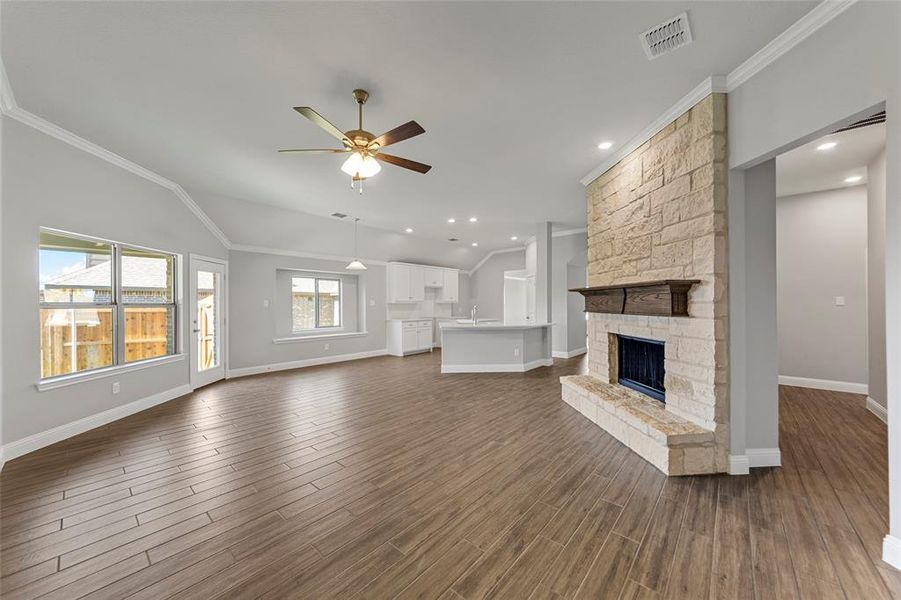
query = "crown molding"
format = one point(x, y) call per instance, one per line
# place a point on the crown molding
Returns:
point(9, 108)
point(299, 254)
point(799, 31)
point(492, 253)
point(712, 85)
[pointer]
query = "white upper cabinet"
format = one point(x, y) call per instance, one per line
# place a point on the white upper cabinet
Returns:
point(450, 292)
point(434, 277)
point(407, 283)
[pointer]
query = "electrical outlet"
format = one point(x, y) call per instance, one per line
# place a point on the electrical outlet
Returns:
point(516, 352)
point(839, 300)
point(266, 303)
point(326, 346)
point(115, 387)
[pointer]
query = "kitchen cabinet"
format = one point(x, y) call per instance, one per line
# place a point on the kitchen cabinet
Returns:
point(434, 277)
point(406, 283)
point(409, 336)
point(450, 291)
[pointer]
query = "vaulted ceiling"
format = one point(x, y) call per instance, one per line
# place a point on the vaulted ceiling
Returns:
point(515, 97)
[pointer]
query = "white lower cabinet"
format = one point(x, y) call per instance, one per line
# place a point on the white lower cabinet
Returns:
point(409, 336)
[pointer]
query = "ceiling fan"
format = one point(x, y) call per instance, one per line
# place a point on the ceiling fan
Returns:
point(364, 148)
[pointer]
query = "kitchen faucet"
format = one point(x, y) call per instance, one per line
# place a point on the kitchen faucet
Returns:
point(475, 313)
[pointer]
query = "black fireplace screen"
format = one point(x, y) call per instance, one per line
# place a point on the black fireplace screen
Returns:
point(641, 366)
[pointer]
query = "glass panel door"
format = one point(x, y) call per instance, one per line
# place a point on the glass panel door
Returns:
point(207, 321)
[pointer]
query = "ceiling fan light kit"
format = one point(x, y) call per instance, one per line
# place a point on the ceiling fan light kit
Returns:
point(363, 146)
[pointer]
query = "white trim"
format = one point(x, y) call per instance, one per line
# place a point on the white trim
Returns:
point(299, 364)
point(57, 434)
point(824, 384)
point(9, 108)
point(320, 336)
point(764, 457)
point(891, 551)
point(299, 254)
point(741, 464)
point(75, 378)
point(503, 368)
point(492, 253)
point(569, 354)
point(877, 409)
point(711, 85)
point(799, 31)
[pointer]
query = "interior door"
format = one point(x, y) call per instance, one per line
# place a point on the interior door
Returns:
point(207, 302)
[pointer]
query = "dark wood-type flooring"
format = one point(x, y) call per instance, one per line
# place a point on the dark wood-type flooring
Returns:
point(382, 478)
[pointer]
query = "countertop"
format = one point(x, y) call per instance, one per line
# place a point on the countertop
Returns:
point(497, 325)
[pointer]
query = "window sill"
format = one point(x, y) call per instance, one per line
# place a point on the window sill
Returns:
point(67, 380)
point(319, 336)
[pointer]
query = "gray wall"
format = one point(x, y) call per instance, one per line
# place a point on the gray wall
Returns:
point(486, 285)
point(49, 183)
point(253, 326)
point(754, 364)
point(802, 95)
point(821, 248)
point(570, 260)
point(876, 278)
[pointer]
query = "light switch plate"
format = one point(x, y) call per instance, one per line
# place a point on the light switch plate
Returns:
point(839, 300)
point(371, 302)
point(266, 303)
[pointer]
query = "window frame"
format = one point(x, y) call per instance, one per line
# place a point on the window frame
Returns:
point(118, 307)
point(317, 327)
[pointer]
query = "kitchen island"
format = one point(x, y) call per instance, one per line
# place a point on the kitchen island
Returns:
point(494, 347)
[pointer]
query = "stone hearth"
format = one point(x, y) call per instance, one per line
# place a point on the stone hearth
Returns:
point(660, 214)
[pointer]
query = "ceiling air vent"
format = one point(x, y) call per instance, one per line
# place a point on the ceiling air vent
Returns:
point(453, 239)
point(338, 215)
point(666, 37)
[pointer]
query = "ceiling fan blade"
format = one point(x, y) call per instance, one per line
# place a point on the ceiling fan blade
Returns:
point(403, 162)
point(322, 122)
point(398, 134)
point(316, 150)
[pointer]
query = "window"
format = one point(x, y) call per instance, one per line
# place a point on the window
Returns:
point(103, 304)
point(315, 303)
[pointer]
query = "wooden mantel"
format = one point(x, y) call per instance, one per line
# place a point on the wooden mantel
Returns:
point(664, 298)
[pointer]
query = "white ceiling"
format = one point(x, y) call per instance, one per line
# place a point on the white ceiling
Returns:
point(514, 96)
point(806, 169)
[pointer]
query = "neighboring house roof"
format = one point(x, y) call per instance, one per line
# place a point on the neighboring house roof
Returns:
point(138, 272)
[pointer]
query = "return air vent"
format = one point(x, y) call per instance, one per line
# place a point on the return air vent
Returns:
point(666, 37)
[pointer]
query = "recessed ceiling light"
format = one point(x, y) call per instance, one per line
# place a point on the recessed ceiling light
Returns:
point(472, 219)
point(827, 146)
point(605, 145)
point(474, 244)
point(514, 238)
point(409, 230)
point(452, 220)
point(853, 178)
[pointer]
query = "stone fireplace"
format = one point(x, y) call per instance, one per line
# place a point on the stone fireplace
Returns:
point(657, 272)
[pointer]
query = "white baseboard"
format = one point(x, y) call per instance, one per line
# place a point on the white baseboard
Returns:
point(877, 409)
point(741, 464)
point(504, 368)
point(308, 362)
point(824, 384)
point(58, 434)
point(570, 354)
point(891, 551)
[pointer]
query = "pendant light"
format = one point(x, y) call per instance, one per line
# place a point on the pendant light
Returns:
point(355, 264)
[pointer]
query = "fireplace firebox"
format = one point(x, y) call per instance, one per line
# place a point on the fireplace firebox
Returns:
point(641, 366)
